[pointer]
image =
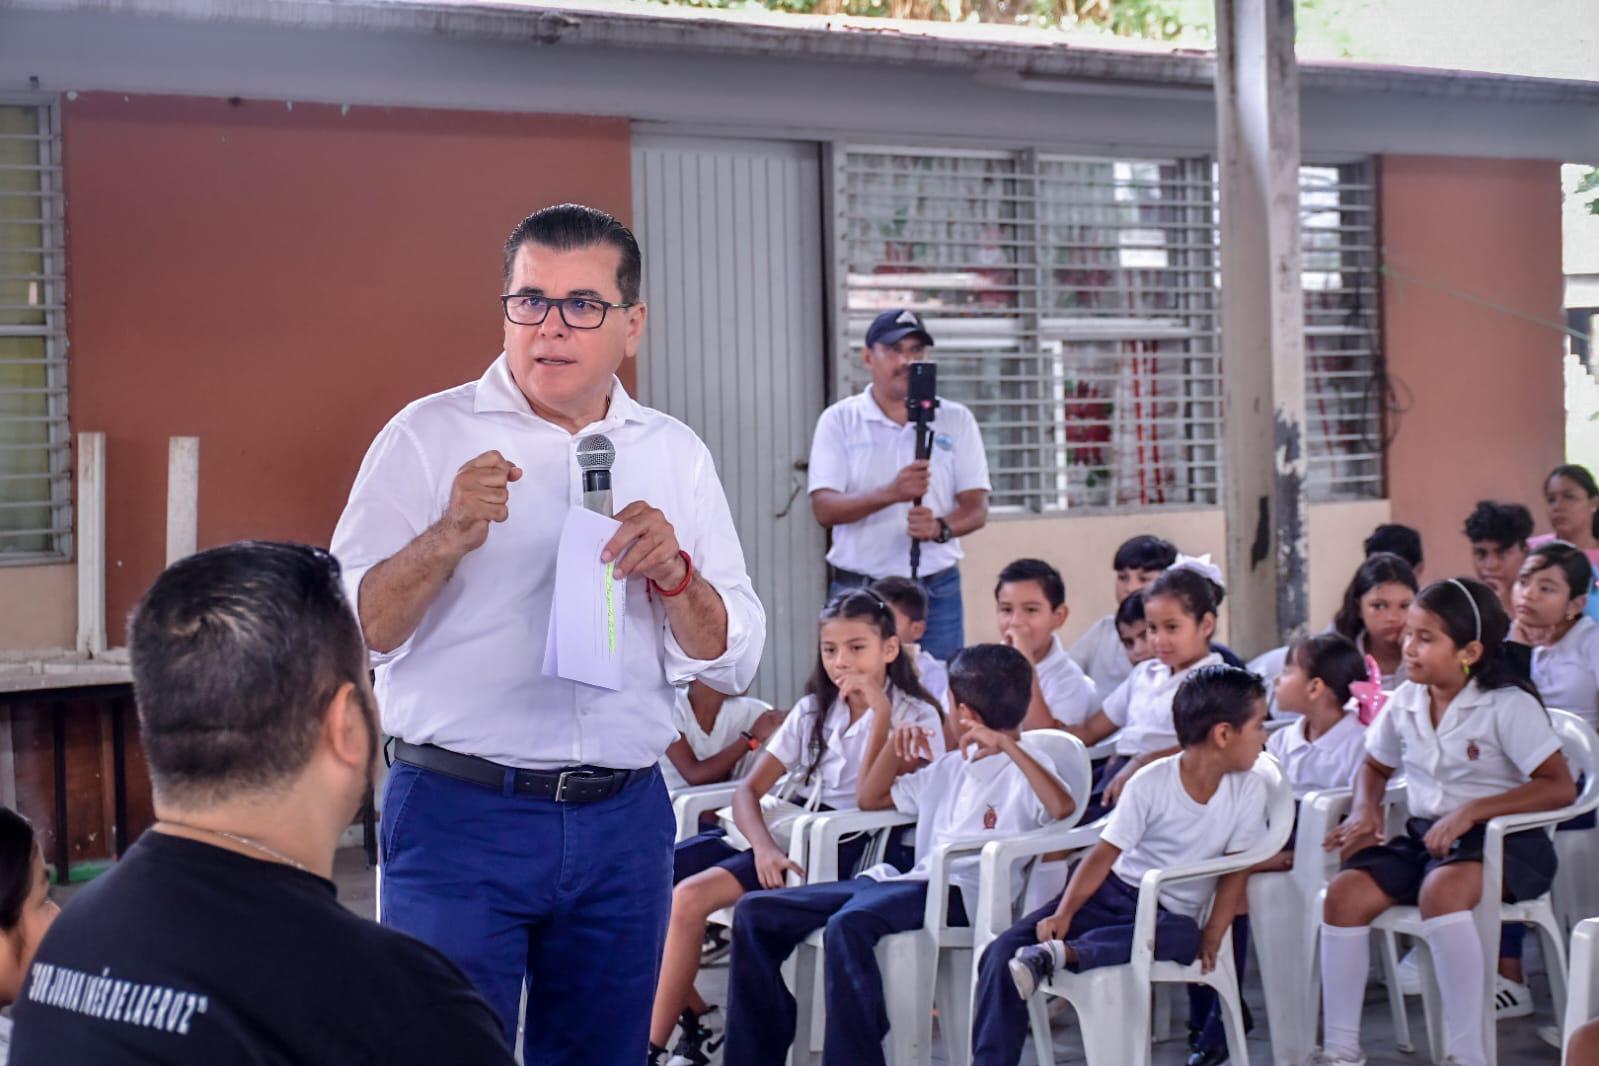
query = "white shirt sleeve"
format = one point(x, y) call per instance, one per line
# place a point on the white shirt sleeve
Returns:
point(1115, 706)
point(909, 790)
point(391, 504)
point(1382, 737)
point(1130, 817)
point(829, 465)
point(719, 559)
point(1526, 732)
point(1249, 823)
point(1071, 701)
point(787, 743)
point(971, 461)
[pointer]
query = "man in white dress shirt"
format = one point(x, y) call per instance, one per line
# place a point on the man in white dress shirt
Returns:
point(526, 830)
point(864, 477)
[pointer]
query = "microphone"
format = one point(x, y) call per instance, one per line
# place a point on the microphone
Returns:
point(921, 400)
point(595, 454)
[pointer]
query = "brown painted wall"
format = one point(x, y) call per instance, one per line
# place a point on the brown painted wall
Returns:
point(279, 281)
point(1482, 389)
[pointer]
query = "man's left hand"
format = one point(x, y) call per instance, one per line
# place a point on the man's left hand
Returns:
point(645, 546)
point(922, 524)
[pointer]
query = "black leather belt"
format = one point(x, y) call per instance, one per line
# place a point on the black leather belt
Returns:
point(573, 784)
point(850, 577)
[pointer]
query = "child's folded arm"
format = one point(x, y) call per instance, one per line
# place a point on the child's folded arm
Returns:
point(1046, 786)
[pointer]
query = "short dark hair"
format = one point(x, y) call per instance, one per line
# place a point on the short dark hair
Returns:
point(236, 653)
point(567, 227)
point(1145, 552)
point(1396, 540)
point(1131, 610)
point(1333, 658)
point(1503, 524)
point(18, 844)
point(995, 681)
point(1035, 570)
point(1212, 695)
point(904, 594)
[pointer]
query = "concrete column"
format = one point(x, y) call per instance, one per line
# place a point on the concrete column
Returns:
point(1262, 322)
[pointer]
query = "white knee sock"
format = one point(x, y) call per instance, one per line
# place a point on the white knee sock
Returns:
point(1345, 960)
point(1457, 959)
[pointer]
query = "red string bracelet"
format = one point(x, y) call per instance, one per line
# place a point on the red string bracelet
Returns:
point(688, 575)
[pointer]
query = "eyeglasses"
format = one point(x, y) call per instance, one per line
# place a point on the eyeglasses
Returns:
point(578, 312)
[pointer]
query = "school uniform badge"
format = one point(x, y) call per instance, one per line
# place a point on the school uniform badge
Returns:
point(1472, 751)
point(990, 817)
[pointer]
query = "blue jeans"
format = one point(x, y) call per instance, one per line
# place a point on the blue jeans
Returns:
point(946, 618)
point(570, 898)
point(1101, 934)
point(768, 926)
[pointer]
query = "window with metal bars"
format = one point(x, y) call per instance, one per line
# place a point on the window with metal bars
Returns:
point(1075, 305)
point(35, 460)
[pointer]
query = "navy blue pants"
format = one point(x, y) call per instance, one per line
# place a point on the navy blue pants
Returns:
point(1101, 934)
point(946, 617)
point(769, 925)
point(570, 898)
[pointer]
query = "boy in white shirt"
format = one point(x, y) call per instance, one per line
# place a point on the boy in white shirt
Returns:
point(716, 735)
point(908, 601)
point(1199, 804)
point(994, 784)
point(1030, 607)
point(1100, 651)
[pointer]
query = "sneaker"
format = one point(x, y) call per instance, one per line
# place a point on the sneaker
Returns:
point(1324, 1057)
point(657, 1056)
point(716, 945)
point(1511, 999)
point(698, 1043)
point(1410, 974)
point(1034, 965)
point(1550, 1035)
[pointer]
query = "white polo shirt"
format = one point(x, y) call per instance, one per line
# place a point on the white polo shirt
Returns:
point(934, 676)
point(1567, 672)
point(1069, 693)
point(1329, 761)
point(471, 677)
point(843, 742)
point(1157, 824)
point(737, 715)
point(956, 798)
point(1101, 654)
point(1141, 707)
point(858, 448)
point(1486, 743)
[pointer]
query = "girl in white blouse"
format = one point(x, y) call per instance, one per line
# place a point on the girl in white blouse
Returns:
point(1549, 596)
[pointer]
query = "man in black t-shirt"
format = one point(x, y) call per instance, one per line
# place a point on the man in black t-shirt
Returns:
point(218, 938)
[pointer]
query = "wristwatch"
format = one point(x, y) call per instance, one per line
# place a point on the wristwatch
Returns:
point(944, 532)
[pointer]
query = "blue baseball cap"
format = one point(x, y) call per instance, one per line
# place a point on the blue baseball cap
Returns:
point(895, 325)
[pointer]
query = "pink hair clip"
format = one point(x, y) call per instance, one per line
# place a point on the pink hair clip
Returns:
point(1368, 696)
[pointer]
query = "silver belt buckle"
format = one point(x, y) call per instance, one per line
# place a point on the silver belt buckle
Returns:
point(560, 785)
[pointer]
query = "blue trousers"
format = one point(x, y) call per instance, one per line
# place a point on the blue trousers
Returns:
point(769, 925)
point(946, 618)
point(1101, 934)
point(571, 899)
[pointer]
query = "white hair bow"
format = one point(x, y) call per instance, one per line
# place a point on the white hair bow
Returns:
point(1201, 565)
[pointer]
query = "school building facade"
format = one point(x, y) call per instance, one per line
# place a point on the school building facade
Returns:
point(271, 225)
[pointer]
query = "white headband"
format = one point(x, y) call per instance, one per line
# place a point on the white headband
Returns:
point(1201, 565)
point(1475, 612)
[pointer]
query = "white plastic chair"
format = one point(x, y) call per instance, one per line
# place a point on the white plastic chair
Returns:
point(1113, 1002)
point(935, 965)
point(1582, 992)
point(1283, 919)
point(1581, 747)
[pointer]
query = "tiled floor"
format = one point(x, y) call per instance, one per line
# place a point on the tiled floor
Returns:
point(1519, 1044)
